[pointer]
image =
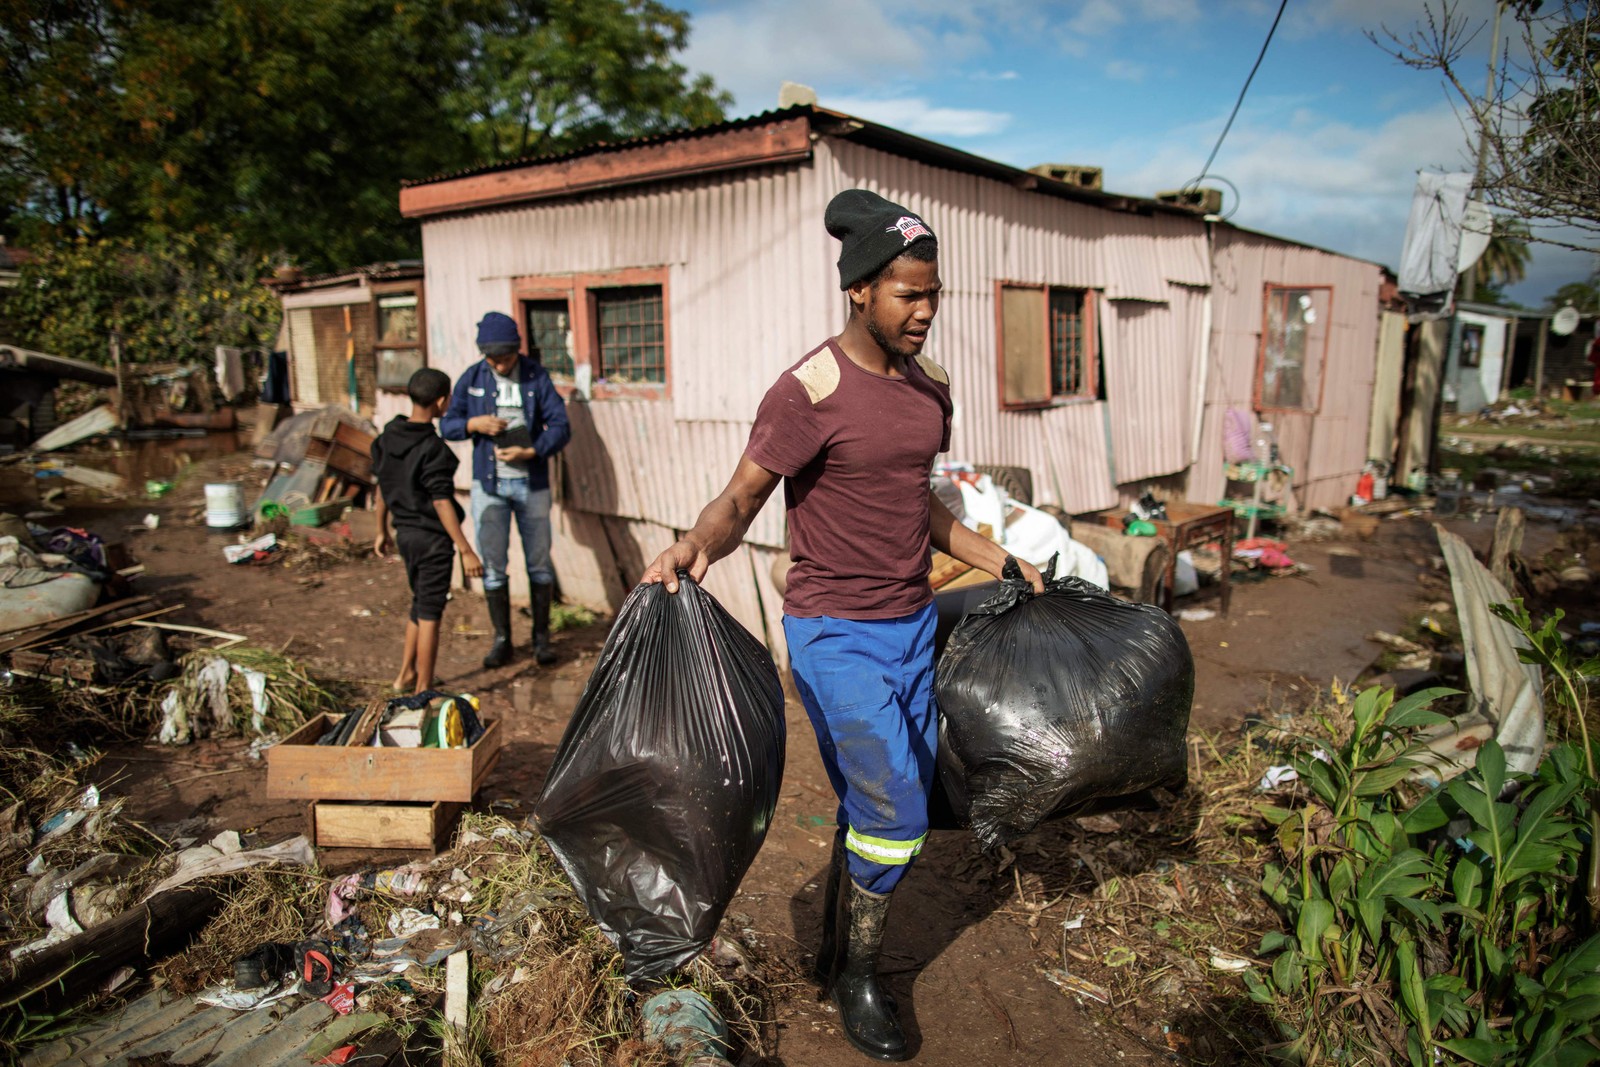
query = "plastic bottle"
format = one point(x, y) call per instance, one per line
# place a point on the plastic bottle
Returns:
point(1364, 487)
point(1263, 446)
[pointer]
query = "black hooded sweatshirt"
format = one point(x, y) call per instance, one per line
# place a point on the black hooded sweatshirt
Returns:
point(414, 468)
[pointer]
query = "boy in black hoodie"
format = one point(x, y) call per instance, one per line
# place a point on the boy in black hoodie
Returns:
point(416, 484)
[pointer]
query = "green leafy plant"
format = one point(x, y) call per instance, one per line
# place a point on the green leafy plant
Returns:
point(1568, 689)
point(1431, 929)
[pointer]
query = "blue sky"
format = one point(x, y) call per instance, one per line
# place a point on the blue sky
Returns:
point(1325, 149)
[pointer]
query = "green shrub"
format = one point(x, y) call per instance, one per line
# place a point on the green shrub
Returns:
point(1439, 928)
point(170, 299)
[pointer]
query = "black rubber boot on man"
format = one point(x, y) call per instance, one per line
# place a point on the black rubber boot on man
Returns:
point(543, 594)
point(866, 1012)
point(828, 950)
point(499, 601)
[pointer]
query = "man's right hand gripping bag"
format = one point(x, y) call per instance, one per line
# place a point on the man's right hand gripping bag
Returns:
point(1049, 703)
point(667, 777)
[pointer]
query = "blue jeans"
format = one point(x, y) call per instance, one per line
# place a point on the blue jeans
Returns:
point(491, 518)
point(868, 691)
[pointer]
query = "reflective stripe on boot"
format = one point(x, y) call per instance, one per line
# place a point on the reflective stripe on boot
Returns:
point(865, 1011)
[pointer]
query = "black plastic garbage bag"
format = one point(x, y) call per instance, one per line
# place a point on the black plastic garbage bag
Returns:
point(667, 777)
point(1051, 703)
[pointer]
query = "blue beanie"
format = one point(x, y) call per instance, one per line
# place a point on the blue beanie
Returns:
point(498, 328)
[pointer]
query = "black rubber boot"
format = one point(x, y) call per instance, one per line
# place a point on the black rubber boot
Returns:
point(543, 593)
point(866, 1012)
point(499, 601)
point(828, 949)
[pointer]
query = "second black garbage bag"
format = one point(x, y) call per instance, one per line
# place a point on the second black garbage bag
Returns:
point(667, 777)
point(1049, 703)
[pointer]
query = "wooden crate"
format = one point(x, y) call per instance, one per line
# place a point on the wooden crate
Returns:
point(353, 824)
point(300, 769)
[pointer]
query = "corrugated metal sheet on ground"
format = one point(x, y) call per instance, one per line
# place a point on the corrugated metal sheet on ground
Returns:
point(161, 1028)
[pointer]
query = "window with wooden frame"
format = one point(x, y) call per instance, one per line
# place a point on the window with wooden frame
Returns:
point(397, 329)
point(610, 328)
point(1049, 345)
point(1294, 346)
point(547, 329)
point(631, 334)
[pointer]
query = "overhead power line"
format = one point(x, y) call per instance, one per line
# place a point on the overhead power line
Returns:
point(1205, 170)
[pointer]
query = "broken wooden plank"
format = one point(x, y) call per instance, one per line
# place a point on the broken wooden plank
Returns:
point(102, 419)
point(228, 640)
point(457, 972)
point(19, 636)
point(75, 667)
point(67, 972)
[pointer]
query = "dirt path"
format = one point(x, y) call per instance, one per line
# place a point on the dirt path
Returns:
point(963, 963)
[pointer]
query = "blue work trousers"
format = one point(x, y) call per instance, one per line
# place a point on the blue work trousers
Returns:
point(868, 689)
point(491, 519)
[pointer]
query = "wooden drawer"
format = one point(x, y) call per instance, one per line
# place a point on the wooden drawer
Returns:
point(352, 824)
point(299, 768)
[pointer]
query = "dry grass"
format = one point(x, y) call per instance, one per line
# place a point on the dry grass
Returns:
point(547, 986)
point(266, 904)
point(1135, 911)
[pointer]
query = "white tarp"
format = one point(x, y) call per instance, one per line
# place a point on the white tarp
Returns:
point(1433, 233)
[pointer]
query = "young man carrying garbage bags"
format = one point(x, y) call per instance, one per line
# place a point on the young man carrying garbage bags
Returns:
point(852, 430)
point(507, 405)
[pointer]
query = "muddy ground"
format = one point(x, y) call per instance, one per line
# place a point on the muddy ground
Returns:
point(961, 956)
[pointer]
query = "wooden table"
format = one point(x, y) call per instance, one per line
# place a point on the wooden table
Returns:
point(1188, 525)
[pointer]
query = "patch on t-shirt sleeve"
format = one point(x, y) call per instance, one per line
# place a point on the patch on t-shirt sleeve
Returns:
point(930, 368)
point(819, 375)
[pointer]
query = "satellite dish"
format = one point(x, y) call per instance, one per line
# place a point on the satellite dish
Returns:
point(1477, 227)
point(1564, 321)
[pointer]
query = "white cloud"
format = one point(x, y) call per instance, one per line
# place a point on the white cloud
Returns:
point(1304, 174)
point(750, 48)
point(916, 115)
point(1124, 70)
point(994, 75)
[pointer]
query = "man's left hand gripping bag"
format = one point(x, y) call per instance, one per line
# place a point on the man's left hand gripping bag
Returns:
point(667, 777)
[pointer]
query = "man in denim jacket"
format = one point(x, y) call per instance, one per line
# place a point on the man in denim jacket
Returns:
point(509, 396)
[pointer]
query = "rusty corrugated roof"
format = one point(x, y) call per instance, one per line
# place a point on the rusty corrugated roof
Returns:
point(827, 122)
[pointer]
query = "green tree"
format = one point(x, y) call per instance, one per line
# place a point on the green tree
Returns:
point(1505, 261)
point(1585, 295)
point(290, 124)
point(1539, 125)
point(169, 298)
point(547, 76)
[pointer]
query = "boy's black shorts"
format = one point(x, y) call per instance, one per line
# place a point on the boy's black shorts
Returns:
point(429, 558)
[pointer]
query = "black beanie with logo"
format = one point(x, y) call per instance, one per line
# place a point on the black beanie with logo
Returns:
point(873, 232)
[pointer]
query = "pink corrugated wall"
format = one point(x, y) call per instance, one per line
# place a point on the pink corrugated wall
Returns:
point(752, 287)
point(1326, 450)
point(991, 232)
point(1151, 358)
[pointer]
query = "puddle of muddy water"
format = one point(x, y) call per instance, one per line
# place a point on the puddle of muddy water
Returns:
point(142, 458)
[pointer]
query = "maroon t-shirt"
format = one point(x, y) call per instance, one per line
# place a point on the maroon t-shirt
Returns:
point(855, 449)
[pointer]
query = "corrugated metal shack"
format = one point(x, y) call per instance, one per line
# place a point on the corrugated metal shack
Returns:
point(369, 320)
point(1095, 339)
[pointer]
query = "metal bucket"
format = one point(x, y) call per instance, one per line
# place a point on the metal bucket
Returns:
point(225, 505)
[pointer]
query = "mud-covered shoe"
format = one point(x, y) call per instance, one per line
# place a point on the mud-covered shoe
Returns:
point(866, 1013)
